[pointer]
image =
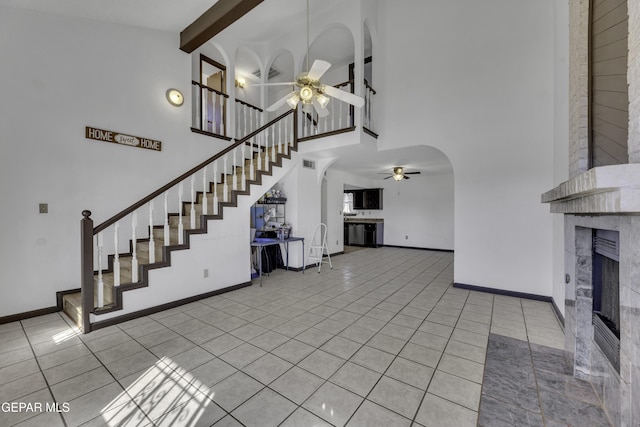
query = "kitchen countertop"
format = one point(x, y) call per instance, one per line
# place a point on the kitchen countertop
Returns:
point(354, 220)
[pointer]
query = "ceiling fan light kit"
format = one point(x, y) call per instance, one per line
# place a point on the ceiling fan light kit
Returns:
point(311, 92)
point(399, 174)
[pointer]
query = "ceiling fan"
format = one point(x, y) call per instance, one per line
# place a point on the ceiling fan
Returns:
point(399, 174)
point(309, 89)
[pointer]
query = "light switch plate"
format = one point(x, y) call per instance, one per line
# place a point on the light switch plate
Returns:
point(43, 208)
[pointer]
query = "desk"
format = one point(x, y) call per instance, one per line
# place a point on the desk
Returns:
point(261, 242)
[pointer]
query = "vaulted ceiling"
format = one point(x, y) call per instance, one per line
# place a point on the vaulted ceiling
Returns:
point(266, 21)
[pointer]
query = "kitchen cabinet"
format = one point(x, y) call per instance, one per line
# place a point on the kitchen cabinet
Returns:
point(370, 198)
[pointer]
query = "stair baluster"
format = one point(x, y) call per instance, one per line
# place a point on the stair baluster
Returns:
point(239, 114)
point(204, 125)
point(226, 178)
point(152, 242)
point(273, 144)
point(167, 233)
point(215, 187)
point(116, 256)
point(192, 219)
point(180, 224)
point(222, 130)
point(234, 169)
point(244, 122)
point(258, 138)
point(286, 138)
point(205, 201)
point(244, 174)
point(252, 170)
point(134, 252)
point(100, 243)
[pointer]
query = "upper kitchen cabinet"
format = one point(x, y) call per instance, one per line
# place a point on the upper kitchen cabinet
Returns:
point(370, 198)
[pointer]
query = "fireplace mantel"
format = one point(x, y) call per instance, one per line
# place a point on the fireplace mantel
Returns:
point(602, 190)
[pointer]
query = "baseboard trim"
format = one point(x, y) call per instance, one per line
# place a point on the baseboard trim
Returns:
point(503, 292)
point(151, 310)
point(418, 248)
point(29, 314)
point(558, 313)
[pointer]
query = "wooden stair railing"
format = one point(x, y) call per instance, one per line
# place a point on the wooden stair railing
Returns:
point(266, 147)
point(248, 117)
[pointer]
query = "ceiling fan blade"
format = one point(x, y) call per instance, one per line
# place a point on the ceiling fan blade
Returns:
point(275, 84)
point(405, 176)
point(279, 103)
point(350, 98)
point(318, 68)
point(390, 176)
point(412, 173)
point(322, 112)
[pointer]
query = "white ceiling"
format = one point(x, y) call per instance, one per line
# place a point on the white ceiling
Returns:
point(174, 16)
point(366, 161)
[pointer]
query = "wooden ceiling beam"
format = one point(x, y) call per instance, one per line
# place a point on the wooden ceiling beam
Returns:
point(218, 17)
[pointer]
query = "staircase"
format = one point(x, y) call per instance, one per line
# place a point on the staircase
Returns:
point(113, 265)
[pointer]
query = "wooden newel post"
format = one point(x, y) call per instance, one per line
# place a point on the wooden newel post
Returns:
point(86, 259)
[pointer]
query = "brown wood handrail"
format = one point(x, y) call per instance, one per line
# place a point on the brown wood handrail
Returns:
point(367, 85)
point(339, 85)
point(248, 105)
point(187, 174)
point(210, 89)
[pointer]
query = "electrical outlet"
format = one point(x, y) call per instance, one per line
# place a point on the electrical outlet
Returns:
point(206, 273)
point(337, 242)
point(43, 208)
point(406, 237)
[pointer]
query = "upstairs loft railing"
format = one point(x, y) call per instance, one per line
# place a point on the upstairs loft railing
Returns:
point(341, 115)
point(117, 254)
point(210, 114)
point(367, 118)
point(209, 110)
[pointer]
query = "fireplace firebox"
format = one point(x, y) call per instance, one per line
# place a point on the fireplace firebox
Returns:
point(606, 294)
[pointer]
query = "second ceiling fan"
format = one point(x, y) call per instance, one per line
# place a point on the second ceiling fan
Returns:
point(399, 174)
point(309, 89)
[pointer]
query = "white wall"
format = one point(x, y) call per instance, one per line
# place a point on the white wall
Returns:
point(420, 209)
point(69, 74)
point(475, 80)
point(561, 140)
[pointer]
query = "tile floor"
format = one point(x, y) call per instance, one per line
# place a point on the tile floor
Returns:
point(381, 340)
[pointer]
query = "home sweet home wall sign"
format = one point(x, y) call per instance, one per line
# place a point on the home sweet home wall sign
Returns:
point(121, 138)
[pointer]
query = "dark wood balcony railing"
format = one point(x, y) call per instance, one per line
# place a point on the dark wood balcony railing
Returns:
point(209, 110)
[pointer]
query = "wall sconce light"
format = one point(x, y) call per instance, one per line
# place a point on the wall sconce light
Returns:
point(240, 82)
point(175, 98)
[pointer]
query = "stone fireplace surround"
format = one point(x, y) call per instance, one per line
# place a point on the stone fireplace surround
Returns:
point(605, 198)
point(601, 198)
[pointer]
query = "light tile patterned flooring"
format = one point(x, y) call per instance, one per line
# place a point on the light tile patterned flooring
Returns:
point(381, 340)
